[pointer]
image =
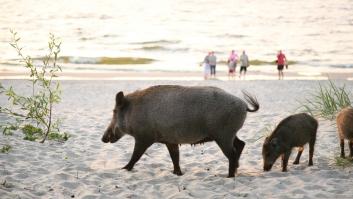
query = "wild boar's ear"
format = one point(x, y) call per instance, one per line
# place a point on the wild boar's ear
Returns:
point(119, 98)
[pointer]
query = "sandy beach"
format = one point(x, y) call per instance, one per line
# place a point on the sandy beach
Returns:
point(85, 167)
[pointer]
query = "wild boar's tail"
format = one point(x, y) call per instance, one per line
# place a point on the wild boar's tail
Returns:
point(252, 101)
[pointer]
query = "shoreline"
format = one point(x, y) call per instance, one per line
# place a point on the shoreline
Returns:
point(184, 75)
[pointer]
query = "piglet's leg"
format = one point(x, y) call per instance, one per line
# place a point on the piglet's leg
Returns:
point(342, 148)
point(174, 154)
point(351, 148)
point(300, 151)
point(285, 158)
point(139, 149)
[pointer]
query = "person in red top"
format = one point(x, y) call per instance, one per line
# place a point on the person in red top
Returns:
point(281, 62)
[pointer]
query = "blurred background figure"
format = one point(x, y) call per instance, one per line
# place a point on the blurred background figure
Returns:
point(212, 60)
point(232, 64)
point(281, 61)
point(244, 64)
point(206, 66)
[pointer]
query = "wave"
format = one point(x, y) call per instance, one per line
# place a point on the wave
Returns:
point(102, 60)
point(342, 65)
point(227, 35)
point(156, 42)
point(161, 48)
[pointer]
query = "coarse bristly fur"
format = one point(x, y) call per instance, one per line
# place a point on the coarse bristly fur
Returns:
point(176, 115)
point(293, 131)
point(345, 129)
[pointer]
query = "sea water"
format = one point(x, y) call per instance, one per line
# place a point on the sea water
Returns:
point(177, 34)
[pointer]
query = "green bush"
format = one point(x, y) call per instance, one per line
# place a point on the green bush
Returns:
point(38, 107)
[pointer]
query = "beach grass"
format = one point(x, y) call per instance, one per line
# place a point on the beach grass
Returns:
point(343, 162)
point(326, 101)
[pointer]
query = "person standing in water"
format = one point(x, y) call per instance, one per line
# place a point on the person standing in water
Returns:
point(212, 60)
point(232, 64)
point(281, 62)
point(244, 64)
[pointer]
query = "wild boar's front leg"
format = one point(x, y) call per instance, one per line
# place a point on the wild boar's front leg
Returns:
point(174, 154)
point(139, 149)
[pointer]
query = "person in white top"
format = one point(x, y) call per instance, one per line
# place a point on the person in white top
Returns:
point(244, 64)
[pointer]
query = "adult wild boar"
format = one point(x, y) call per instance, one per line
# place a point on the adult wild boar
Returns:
point(345, 129)
point(293, 131)
point(176, 115)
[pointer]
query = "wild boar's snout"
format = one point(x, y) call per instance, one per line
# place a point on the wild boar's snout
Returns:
point(267, 167)
point(105, 137)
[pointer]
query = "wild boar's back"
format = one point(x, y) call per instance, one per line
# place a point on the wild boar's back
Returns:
point(176, 114)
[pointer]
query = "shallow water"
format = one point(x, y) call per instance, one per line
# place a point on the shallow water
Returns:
point(178, 33)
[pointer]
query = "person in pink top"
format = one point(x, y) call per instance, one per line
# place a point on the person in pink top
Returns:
point(281, 62)
point(232, 64)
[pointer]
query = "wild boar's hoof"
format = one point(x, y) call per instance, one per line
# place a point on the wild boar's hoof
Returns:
point(231, 175)
point(296, 162)
point(127, 167)
point(284, 170)
point(178, 173)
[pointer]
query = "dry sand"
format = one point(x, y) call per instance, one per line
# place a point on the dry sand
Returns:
point(84, 167)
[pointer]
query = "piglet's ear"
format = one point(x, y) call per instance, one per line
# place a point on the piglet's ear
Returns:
point(119, 99)
point(267, 139)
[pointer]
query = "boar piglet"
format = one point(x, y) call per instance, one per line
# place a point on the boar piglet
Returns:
point(294, 131)
point(345, 129)
point(175, 115)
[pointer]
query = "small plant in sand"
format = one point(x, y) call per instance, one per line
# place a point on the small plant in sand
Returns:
point(343, 162)
point(326, 101)
point(33, 114)
point(5, 149)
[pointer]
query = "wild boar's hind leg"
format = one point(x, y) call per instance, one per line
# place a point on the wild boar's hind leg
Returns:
point(227, 148)
point(239, 146)
point(300, 151)
point(139, 149)
point(174, 154)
